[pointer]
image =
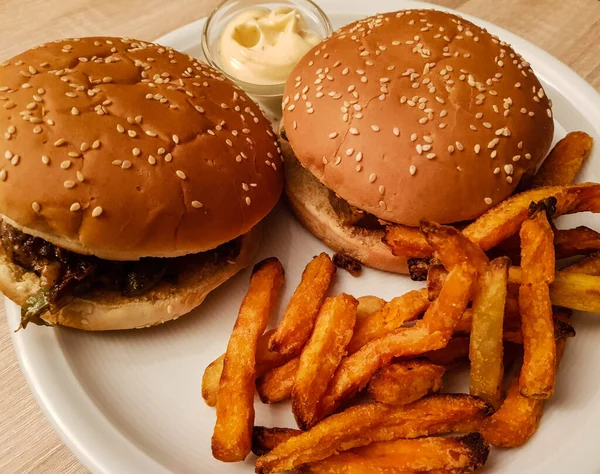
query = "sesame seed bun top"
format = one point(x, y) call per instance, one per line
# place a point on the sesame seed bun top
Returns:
point(125, 149)
point(417, 114)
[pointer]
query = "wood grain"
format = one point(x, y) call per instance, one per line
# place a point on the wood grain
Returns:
point(569, 30)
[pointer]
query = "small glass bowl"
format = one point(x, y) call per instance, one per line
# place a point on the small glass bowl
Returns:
point(315, 18)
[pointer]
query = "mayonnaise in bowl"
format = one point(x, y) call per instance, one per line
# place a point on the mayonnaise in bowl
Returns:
point(261, 46)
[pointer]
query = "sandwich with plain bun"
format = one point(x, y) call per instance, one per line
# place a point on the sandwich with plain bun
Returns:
point(132, 182)
point(417, 114)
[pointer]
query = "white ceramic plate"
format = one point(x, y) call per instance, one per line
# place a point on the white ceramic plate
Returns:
point(129, 402)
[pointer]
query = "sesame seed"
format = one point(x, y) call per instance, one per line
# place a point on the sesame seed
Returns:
point(528, 156)
point(423, 120)
point(117, 162)
point(37, 130)
point(59, 142)
point(180, 174)
point(80, 177)
point(359, 156)
point(488, 200)
point(413, 137)
point(75, 207)
point(96, 144)
point(372, 177)
point(161, 151)
point(431, 156)
point(396, 131)
point(65, 164)
point(74, 111)
point(97, 211)
point(412, 170)
point(349, 151)
point(549, 113)
point(136, 152)
point(15, 160)
point(459, 146)
point(69, 184)
point(375, 128)
point(35, 206)
point(493, 143)
point(8, 155)
point(248, 200)
point(3, 175)
point(45, 160)
point(168, 157)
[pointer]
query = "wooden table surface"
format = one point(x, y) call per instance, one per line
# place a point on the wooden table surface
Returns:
point(569, 30)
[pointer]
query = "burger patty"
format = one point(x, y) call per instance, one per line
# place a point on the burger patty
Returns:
point(65, 274)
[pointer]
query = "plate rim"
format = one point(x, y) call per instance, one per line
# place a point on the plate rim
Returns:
point(78, 438)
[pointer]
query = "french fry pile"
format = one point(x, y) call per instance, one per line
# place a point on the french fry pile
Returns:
point(493, 295)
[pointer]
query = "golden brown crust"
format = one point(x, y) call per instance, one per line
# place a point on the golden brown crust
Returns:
point(309, 200)
point(400, 127)
point(104, 310)
point(120, 105)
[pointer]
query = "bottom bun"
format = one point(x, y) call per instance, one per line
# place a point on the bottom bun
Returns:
point(309, 200)
point(103, 310)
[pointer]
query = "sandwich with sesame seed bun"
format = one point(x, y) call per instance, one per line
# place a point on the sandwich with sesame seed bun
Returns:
point(404, 116)
point(133, 181)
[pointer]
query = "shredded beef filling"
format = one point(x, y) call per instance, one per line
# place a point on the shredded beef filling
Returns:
point(351, 215)
point(65, 274)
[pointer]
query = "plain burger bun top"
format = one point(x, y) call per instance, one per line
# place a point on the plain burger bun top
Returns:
point(126, 149)
point(417, 114)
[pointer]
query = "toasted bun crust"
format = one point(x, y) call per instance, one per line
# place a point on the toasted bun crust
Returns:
point(309, 200)
point(125, 149)
point(417, 114)
point(108, 310)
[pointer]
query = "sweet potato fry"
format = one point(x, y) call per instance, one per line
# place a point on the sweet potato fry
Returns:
point(363, 424)
point(487, 346)
point(424, 455)
point(276, 384)
point(455, 351)
point(452, 247)
point(564, 161)
point(210, 381)
point(506, 218)
point(503, 220)
point(570, 290)
point(232, 437)
point(587, 266)
point(265, 361)
point(299, 317)
point(538, 268)
point(433, 332)
point(436, 276)
point(265, 439)
point(368, 306)
point(399, 310)
point(518, 417)
point(578, 241)
point(404, 382)
point(321, 356)
point(406, 241)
